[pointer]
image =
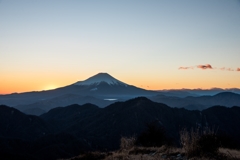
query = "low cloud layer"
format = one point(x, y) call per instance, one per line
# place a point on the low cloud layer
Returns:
point(208, 66)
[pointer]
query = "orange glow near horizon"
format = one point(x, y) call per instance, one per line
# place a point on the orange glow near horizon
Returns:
point(36, 83)
point(17, 89)
point(50, 87)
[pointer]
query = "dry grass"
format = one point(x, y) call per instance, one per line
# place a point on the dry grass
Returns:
point(127, 143)
point(189, 141)
point(145, 153)
point(128, 151)
point(89, 156)
point(156, 153)
point(198, 143)
point(231, 153)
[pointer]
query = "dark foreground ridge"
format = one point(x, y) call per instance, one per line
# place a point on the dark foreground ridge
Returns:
point(65, 132)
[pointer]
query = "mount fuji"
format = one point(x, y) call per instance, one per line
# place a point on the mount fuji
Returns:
point(101, 77)
point(105, 86)
point(100, 89)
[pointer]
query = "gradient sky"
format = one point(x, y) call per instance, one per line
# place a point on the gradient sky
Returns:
point(153, 44)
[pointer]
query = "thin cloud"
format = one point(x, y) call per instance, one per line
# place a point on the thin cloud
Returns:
point(223, 68)
point(226, 69)
point(185, 68)
point(207, 66)
point(230, 69)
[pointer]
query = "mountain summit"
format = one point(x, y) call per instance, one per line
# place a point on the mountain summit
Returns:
point(101, 77)
point(104, 86)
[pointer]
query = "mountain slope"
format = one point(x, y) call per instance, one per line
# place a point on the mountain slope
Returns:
point(15, 124)
point(30, 137)
point(102, 86)
point(44, 106)
point(77, 127)
point(102, 128)
point(227, 99)
point(105, 86)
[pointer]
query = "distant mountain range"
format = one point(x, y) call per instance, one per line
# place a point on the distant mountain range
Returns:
point(227, 99)
point(67, 131)
point(43, 106)
point(102, 89)
point(197, 92)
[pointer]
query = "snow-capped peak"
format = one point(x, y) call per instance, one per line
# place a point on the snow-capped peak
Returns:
point(101, 77)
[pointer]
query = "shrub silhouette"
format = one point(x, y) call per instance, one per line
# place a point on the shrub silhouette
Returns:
point(227, 141)
point(91, 156)
point(196, 143)
point(127, 143)
point(153, 136)
point(208, 143)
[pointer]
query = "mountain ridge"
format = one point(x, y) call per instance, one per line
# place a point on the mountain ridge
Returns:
point(73, 128)
point(227, 99)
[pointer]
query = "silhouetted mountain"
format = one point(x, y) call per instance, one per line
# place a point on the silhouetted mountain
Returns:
point(30, 137)
point(76, 128)
point(227, 99)
point(103, 128)
point(210, 92)
point(33, 111)
point(15, 124)
point(16, 149)
point(226, 120)
point(43, 106)
point(70, 112)
point(48, 147)
point(178, 102)
point(59, 145)
point(176, 93)
point(105, 86)
point(62, 118)
point(196, 92)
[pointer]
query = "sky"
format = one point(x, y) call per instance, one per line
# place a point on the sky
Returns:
point(152, 44)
